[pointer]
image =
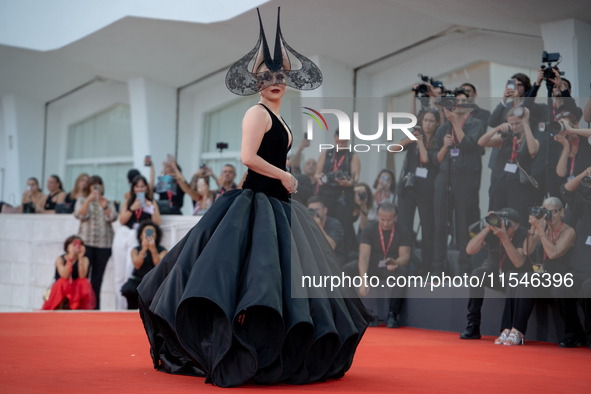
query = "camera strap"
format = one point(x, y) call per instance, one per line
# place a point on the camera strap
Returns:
point(389, 242)
point(515, 149)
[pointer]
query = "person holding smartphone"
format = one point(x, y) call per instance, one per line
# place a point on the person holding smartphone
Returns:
point(145, 257)
point(96, 215)
point(138, 207)
point(71, 289)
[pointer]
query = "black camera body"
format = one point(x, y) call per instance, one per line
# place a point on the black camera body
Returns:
point(363, 196)
point(509, 134)
point(548, 68)
point(496, 218)
point(586, 181)
point(221, 146)
point(423, 88)
point(540, 213)
point(332, 177)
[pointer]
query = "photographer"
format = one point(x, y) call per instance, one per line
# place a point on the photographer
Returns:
point(337, 172)
point(504, 241)
point(96, 215)
point(145, 256)
point(458, 182)
point(384, 251)
point(331, 228)
point(417, 187)
point(518, 147)
point(385, 188)
point(576, 150)
point(171, 195)
point(202, 195)
point(577, 192)
point(226, 180)
point(477, 112)
point(548, 246)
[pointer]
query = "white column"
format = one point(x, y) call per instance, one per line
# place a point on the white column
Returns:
point(21, 144)
point(572, 38)
point(153, 114)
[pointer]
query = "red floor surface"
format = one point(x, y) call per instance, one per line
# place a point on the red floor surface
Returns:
point(88, 352)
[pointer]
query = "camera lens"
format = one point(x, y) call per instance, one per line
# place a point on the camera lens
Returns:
point(555, 127)
point(518, 111)
point(586, 181)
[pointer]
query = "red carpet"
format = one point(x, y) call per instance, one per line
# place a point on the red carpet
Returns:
point(74, 352)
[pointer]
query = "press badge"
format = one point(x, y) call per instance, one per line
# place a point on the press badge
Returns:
point(588, 241)
point(421, 172)
point(455, 152)
point(382, 264)
point(511, 168)
point(539, 268)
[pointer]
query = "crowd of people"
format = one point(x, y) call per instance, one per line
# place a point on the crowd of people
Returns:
point(540, 162)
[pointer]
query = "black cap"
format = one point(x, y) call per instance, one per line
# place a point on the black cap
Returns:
point(512, 214)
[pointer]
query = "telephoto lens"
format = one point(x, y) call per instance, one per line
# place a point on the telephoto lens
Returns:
point(555, 127)
point(493, 219)
point(518, 111)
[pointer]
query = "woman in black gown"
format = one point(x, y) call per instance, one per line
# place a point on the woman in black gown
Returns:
point(227, 301)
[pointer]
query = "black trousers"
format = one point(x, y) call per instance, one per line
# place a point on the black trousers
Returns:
point(407, 204)
point(477, 293)
point(520, 303)
point(512, 194)
point(463, 199)
point(567, 298)
point(98, 258)
point(352, 269)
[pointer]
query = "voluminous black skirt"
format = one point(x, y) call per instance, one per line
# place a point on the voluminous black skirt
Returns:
point(220, 303)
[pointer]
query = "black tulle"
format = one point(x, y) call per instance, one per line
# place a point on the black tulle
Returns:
point(220, 305)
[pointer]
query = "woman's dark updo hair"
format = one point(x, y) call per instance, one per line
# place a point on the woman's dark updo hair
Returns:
point(145, 224)
point(58, 180)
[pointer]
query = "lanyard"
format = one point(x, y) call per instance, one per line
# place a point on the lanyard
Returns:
point(553, 240)
point(515, 149)
point(138, 214)
point(336, 166)
point(169, 193)
point(389, 242)
point(453, 136)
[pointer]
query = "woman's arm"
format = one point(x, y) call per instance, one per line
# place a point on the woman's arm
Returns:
point(565, 241)
point(255, 124)
point(533, 145)
point(491, 138)
point(156, 218)
point(320, 166)
point(561, 169)
point(64, 268)
point(83, 265)
point(137, 258)
point(125, 214)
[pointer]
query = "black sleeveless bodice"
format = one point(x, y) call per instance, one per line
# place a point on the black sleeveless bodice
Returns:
point(274, 150)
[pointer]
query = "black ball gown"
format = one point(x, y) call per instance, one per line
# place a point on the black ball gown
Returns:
point(220, 304)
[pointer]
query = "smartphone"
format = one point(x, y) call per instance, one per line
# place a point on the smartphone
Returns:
point(149, 232)
point(170, 158)
point(142, 197)
point(306, 135)
point(147, 161)
point(77, 243)
point(96, 187)
point(511, 84)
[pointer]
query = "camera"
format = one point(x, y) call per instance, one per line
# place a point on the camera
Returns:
point(332, 177)
point(312, 212)
point(549, 58)
point(540, 213)
point(423, 88)
point(496, 218)
point(509, 134)
point(586, 181)
point(221, 146)
point(408, 181)
point(362, 196)
point(554, 127)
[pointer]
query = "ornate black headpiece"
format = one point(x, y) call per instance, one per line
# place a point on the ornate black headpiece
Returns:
point(242, 81)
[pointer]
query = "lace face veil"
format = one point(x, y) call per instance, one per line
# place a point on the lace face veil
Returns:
point(244, 82)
